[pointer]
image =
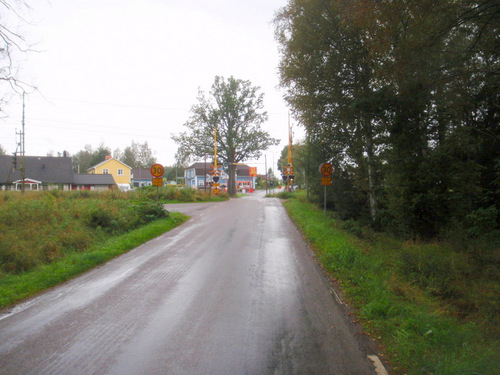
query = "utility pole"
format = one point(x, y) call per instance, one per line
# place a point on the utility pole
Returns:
point(22, 152)
point(267, 174)
point(205, 173)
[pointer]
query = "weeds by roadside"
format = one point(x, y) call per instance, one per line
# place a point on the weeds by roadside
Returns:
point(39, 228)
point(15, 287)
point(50, 230)
point(175, 195)
point(281, 195)
point(433, 308)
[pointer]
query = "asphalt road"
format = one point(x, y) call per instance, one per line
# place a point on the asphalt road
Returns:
point(235, 290)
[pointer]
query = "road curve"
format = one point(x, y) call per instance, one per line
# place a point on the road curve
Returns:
point(235, 290)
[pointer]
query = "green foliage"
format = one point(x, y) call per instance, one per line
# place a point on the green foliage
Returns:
point(234, 111)
point(284, 195)
point(167, 194)
point(402, 98)
point(136, 155)
point(148, 211)
point(433, 309)
point(38, 228)
point(439, 270)
point(15, 287)
point(482, 221)
point(300, 161)
point(359, 230)
point(88, 157)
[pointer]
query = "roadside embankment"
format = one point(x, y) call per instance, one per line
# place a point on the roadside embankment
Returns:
point(433, 310)
point(47, 238)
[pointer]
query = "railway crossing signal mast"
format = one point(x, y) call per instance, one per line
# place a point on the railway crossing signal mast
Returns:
point(216, 173)
point(288, 174)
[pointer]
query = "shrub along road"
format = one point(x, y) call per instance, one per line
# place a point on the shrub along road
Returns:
point(234, 290)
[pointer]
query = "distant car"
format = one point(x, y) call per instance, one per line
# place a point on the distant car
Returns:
point(124, 187)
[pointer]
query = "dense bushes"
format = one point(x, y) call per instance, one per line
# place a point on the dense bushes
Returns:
point(39, 227)
point(172, 194)
point(401, 97)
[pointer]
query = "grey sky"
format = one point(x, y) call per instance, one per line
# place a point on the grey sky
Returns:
point(117, 71)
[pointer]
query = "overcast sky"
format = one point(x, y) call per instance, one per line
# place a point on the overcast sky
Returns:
point(117, 71)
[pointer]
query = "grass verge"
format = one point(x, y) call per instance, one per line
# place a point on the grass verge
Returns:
point(16, 287)
point(420, 331)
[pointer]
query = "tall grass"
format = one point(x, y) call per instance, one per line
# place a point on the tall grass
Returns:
point(15, 287)
point(38, 228)
point(432, 308)
point(173, 194)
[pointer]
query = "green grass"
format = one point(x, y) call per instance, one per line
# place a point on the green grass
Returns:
point(16, 287)
point(417, 300)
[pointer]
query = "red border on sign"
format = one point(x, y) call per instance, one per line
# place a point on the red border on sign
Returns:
point(155, 167)
point(326, 165)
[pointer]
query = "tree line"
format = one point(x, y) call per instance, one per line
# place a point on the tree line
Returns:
point(403, 98)
point(136, 155)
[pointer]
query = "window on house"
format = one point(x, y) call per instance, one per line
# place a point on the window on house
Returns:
point(105, 171)
point(120, 172)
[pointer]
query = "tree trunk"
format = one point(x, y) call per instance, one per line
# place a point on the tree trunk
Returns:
point(231, 188)
point(372, 197)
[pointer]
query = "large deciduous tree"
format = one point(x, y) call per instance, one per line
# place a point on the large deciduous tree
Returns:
point(402, 97)
point(234, 110)
point(329, 76)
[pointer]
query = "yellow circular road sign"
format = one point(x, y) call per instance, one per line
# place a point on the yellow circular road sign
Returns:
point(157, 170)
point(326, 169)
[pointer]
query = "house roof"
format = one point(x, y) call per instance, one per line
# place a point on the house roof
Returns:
point(93, 179)
point(242, 169)
point(106, 161)
point(141, 173)
point(200, 168)
point(47, 169)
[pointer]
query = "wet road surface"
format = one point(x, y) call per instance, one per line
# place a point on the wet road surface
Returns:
point(235, 290)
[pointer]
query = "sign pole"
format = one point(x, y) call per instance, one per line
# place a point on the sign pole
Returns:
point(157, 171)
point(324, 201)
point(326, 170)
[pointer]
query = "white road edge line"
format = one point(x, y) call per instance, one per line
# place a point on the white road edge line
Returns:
point(379, 367)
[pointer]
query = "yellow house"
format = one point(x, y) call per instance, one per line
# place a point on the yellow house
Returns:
point(121, 172)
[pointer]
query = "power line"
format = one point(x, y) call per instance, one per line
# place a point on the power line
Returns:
point(109, 132)
point(101, 128)
point(119, 104)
